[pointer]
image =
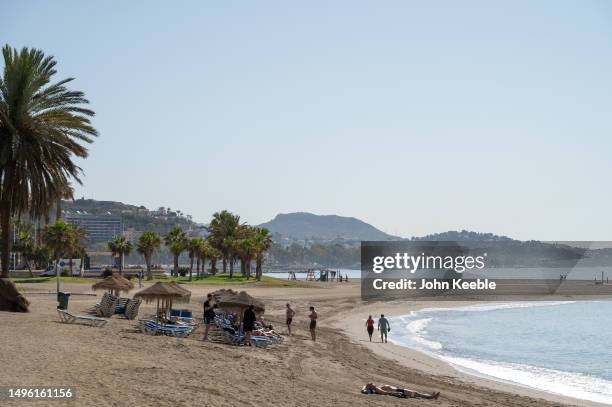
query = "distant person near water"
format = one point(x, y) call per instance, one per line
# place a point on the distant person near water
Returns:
point(313, 323)
point(383, 327)
point(370, 327)
point(387, 390)
point(290, 314)
point(248, 323)
point(209, 314)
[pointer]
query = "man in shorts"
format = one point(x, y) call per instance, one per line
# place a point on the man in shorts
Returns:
point(209, 315)
point(384, 327)
point(313, 323)
point(290, 313)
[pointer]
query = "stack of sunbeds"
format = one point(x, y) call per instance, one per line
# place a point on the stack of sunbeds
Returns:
point(112, 305)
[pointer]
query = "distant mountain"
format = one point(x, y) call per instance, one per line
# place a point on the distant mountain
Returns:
point(308, 226)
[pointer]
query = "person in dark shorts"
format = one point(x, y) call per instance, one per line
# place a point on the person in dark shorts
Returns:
point(313, 323)
point(209, 315)
point(370, 327)
point(290, 313)
point(248, 323)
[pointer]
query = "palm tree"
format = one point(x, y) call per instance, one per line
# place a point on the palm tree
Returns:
point(59, 237)
point(147, 244)
point(194, 247)
point(176, 241)
point(202, 254)
point(224, 228)
point(26, 246)
point(263, 243)
point(77, 246)
point(43, 127)
point(213, 256)
point(120, 247)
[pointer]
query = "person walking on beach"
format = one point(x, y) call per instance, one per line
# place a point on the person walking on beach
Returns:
point(313, 323)
point(383, 327)
point(290, 313)
point(209, 315)
point(370, 327)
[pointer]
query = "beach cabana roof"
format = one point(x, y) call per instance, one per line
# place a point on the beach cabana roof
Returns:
point(241, 301)
point(114, 283)
point(164, 291)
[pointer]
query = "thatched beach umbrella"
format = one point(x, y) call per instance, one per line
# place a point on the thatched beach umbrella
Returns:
point(167, 293)
point(240, 302)
point(114, 284)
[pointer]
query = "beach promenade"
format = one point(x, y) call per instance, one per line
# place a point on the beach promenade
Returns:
point(117, 365)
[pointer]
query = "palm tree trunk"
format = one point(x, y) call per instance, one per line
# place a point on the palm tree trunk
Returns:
point(224, 265)
point(191, 269)
point(82, 268)
point(149, 272)
point(58, 209)
point(6, 241)
point(176, 273)
point(199, 260)
point(258, 270)
point(121, 264)
point(70, 265)
point(29, 266)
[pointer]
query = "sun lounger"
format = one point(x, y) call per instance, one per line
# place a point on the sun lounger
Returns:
point(120, 305)
point(68, 318)
point(107, 306)
point(240, 339)
point(131, 308)
point(183, 315)
point(155, 328)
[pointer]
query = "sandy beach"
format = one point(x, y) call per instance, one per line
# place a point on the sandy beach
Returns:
point(118, 366)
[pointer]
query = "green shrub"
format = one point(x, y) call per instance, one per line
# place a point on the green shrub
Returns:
point(107, 273)
point(183, 271)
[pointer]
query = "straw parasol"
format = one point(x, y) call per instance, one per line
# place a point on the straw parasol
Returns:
point(114, 284)
point(166, 292)
point(240, 302)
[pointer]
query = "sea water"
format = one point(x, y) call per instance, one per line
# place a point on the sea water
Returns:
point(558, 347)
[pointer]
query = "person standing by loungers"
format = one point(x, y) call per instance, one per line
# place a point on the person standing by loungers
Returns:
point(313, 323)
point(248, 323)
point(370, 327)
point(209, 315)
point(290, 313)
point(383, 327)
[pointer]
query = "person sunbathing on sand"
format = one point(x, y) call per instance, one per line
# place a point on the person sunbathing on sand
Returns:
point(387, 390)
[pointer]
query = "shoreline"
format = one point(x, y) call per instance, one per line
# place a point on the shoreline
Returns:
point(352, 324)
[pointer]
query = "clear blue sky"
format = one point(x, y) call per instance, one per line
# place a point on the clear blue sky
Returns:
point(417, 117)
